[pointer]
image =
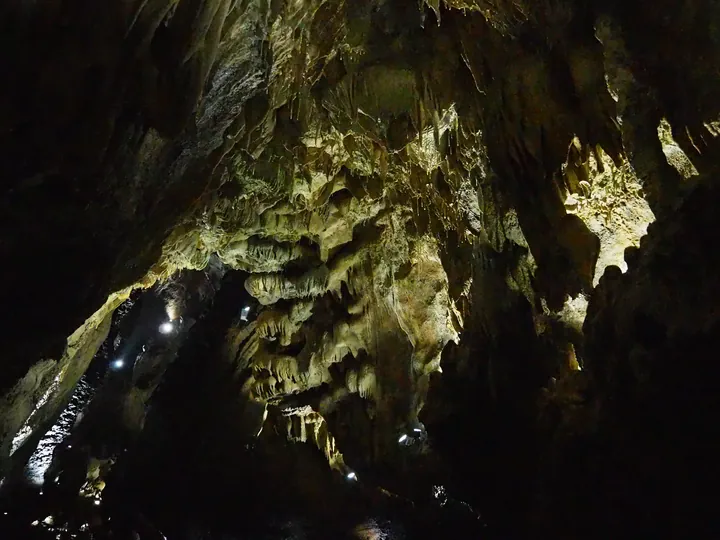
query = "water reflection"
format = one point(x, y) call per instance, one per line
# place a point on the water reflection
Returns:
point(374, 529)
point(298, 528)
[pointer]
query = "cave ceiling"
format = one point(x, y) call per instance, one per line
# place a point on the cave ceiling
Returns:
point(367, 164)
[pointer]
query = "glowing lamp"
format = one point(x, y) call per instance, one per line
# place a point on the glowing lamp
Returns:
point(166, 327)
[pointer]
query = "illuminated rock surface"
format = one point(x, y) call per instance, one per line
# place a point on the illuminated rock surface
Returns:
point(332, 255)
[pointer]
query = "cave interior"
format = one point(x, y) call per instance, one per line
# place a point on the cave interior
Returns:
point(363, 269)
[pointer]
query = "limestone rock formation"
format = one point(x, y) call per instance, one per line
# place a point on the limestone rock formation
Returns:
point(413, 205)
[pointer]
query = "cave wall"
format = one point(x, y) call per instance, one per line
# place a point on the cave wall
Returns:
point(392, 177)
point(105, 138)
point(649, 333)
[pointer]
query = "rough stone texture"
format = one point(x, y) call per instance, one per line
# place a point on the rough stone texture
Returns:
point(614, 209)
point(636, 431)
point(104, 139)
point(407, 187)
point(31, 406)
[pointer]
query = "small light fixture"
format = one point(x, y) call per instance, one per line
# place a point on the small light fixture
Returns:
point(244, 313)
point(351, 476)
point(417, 430)
point(97, 502)
point(166, 327)
point(402, 438)
point(117, 364)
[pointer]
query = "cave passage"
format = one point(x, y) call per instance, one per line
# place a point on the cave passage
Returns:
point(363, 269)
point(97, 439)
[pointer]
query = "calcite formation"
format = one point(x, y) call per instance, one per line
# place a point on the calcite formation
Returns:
point(424, 198)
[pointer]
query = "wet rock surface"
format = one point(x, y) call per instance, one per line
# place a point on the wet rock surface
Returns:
point(371, 250)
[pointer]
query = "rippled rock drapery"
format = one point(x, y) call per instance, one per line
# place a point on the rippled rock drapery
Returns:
point(401, 181)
